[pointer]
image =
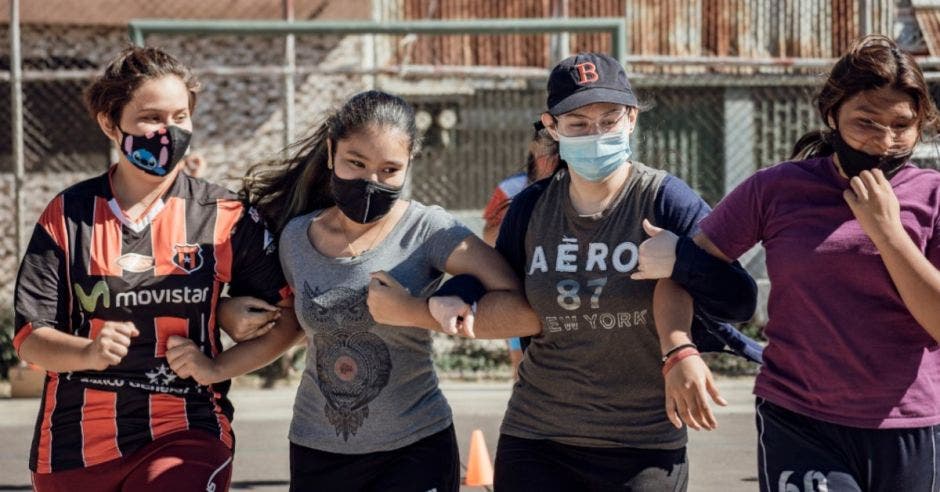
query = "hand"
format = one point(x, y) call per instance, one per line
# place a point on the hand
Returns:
point(244, 318)
point(454, 315)
point(110, 345)
point(187, 361)
point(657, 255)
point(388, 301)
point(686, 386)
point(874, 204)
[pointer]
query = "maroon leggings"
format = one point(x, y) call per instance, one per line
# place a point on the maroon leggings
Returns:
point(187, 461)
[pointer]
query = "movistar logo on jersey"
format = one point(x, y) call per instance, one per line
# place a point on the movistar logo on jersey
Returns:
point(90, 301)
point(143, 297)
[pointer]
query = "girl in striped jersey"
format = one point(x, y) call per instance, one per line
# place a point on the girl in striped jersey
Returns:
point(121, 281)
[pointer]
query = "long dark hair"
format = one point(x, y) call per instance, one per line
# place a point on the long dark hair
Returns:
point(542, 145)
point(285, 188)
point(133, 66)
point(872, 62)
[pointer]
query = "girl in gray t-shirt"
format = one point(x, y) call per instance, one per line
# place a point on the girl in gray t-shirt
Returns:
point(360, 260)
point(606, 387)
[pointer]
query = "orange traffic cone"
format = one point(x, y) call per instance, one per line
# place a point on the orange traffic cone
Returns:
point(479, 466)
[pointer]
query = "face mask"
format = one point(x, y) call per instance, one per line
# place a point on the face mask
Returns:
point(158, 152)
point(361, 200)
point(855, 161)
point(594, 157)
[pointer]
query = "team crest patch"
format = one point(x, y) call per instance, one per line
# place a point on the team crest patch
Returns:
point(188, 257)
point(133, 262)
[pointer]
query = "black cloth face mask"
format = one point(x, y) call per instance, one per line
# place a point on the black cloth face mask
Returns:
point(854, 161)
point(158, 152)
point(361, 200)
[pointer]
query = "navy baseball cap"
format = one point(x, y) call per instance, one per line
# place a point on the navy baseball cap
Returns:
point(588, 78)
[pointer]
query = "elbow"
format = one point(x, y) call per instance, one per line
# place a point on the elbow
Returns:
point(18, 341)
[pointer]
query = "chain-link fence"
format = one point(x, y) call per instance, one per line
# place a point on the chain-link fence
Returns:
point(478, 94)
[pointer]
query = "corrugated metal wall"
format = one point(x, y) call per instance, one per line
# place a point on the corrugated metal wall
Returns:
point(744, 28)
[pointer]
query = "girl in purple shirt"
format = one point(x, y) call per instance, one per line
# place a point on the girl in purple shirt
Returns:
point(848, 397)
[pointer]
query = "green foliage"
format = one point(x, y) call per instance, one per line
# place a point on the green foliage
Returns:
point(732, 365)
point(468, 357)
point(754, 331)
point(8, 357)
point(282, 368)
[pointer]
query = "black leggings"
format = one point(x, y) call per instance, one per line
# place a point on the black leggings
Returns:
point(547, 466)
point(433, 463)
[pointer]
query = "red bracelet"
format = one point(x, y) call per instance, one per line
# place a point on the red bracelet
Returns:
point(676, 357)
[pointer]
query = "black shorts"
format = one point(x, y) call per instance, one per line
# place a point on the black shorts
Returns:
point(433, 463)
point(546, 466)
point(796, 453)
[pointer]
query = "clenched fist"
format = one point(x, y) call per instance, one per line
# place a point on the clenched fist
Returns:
point(187, 361)
point(111, 344)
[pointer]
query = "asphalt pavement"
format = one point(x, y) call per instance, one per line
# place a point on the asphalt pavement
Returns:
point(722, 460)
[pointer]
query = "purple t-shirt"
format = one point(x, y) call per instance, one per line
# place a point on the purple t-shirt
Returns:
point(843, 347)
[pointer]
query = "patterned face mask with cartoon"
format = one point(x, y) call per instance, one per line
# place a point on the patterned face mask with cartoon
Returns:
point(158, 152)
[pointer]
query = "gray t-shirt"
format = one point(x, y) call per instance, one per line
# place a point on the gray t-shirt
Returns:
point(367, 387)
point(592, 377)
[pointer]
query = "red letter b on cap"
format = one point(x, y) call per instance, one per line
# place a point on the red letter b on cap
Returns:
point(587, 73)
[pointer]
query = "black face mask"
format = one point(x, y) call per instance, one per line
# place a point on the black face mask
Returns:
point(855, 161)
point(361, 200)
point(158, 152)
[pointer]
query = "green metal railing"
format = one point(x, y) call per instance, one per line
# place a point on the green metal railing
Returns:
point(615, 26)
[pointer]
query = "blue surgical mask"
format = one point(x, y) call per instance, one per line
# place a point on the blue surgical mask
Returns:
point(594, 157)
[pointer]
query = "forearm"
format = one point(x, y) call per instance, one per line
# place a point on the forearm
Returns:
point(505, 314)
point(672, 312)
point(916, 279)
point(56, 351)
point(245, 357)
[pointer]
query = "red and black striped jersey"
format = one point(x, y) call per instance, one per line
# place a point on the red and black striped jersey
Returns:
point(87, 263)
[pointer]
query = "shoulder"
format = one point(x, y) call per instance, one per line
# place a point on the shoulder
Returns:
point(646, 172)
point(815, 168)
point(919, 175)
point(918, 185)
point(522, 205)
point(432, 217)
point(419, 211)
point(298, 224)
point(202, 191)
point(674, 189)
point(667, 187)
point(645, 179)
point(537, 189)
point(91, 187)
